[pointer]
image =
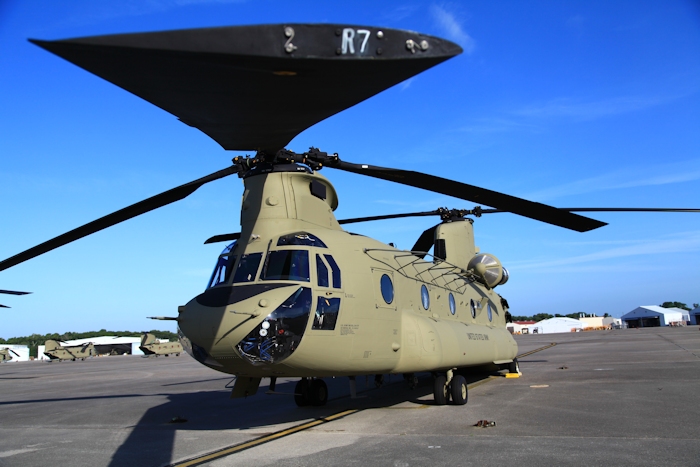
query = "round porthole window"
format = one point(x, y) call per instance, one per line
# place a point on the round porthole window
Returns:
point(424, 296)
point(472, 305)
point(488, 311)
point(453, 305)
point(387, 288)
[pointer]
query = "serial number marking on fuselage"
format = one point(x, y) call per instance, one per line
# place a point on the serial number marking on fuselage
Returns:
point(347, 329)
point(349, 40)
point(477, 337)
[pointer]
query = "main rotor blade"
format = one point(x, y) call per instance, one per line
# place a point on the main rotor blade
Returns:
point(493, 211)
point(523, 207)
point(142, 207)
point(223, 238)
point(237, 235)
point(14, 292)
point(388, 216)
point(425, 241)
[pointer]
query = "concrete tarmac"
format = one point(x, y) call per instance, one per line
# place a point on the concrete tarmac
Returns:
point(626, 397)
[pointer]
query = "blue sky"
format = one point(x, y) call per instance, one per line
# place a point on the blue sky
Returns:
point(575, 103)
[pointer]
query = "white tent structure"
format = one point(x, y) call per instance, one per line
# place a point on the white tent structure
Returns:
point(652, 316)
point(559, 324)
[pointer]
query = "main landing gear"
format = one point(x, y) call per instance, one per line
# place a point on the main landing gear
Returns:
point(450, 386)
point(311, 392)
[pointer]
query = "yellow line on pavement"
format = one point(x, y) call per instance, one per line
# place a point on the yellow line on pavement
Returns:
point(263, 439)
point(536, 350)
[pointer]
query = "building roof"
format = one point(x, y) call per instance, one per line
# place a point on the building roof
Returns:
point(660, 309)
point(561, 319)
point(103, 340)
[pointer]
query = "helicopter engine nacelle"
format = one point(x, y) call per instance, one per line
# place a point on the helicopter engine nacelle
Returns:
point(488, 269)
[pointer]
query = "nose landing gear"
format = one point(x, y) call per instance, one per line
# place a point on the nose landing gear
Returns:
point(310, 392)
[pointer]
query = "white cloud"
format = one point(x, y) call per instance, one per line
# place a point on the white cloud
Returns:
point(452, 28)
point(678, 243)
point(566, 107)
point(628, 177)
point(406, 84)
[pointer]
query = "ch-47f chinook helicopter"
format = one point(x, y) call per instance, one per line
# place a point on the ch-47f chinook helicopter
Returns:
point(295, 295)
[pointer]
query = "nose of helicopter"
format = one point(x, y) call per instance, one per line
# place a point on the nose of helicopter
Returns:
point(261, 323)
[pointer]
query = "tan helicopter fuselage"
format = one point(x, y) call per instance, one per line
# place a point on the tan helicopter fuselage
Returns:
point(5, 355)
point(151, 345)
point(56, 351)
point(306, 298)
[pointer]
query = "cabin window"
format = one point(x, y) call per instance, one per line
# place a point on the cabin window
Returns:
point(321, 272)
point(335, 270)
point(473, 305)
point(326, 313)
point(387, 288)
point(453, 305)
point(224, 266)
point(247, 268)
point(424, 296)
point(287, 265)
point(300, 238)
point(488, 311)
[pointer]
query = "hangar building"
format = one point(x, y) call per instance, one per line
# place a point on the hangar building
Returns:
point(695, 316)
point(558, 324)
point(652, 316)
point(104, 345)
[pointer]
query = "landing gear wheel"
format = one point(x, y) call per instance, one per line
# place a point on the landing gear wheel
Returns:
point(458, 390)
point(318, 393)
point(440, 392)
point(513, 366)
point(301, 393)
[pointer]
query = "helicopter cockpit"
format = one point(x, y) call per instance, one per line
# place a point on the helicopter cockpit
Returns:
point(279, 334)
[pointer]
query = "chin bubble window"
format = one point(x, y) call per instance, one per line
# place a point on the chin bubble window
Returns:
point(473, 305)
point(453, 305)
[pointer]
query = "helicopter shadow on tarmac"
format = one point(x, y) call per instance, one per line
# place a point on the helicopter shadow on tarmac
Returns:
point(152, 440)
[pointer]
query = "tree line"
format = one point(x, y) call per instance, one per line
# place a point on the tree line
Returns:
point(35, 340)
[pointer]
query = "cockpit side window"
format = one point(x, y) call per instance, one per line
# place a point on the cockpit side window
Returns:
point(321, 272)
point(286, 265)
point(335, 271)
point(224, 266)
point(247, 268)
point(326, 313)
point(301, 238)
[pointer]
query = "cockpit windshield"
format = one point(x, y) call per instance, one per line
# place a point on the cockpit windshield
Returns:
point(224, 266)
point(247, 268)
point(287, 265)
